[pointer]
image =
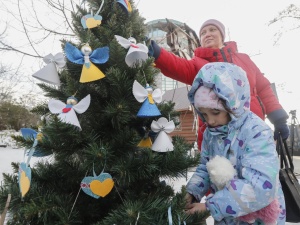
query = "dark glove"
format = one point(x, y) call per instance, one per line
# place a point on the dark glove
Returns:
point(279, 119)
point(283, 129)
point(154, 49)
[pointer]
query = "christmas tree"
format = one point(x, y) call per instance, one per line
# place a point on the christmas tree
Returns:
point(100, 167)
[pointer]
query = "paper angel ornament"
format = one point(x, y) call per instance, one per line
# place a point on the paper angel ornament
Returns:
point(163, 142)
point(222, 173)
point(67, 111)
point(49, 72)
point(125, 4)
point(87, 57)
point(90, 20)
point(29, 133)
point(149, 98)
point(136, 54)
point(97, 186)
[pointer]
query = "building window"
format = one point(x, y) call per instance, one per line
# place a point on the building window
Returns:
point(168, 83)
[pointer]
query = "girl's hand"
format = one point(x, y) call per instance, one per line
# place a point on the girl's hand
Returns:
point(188, 199)
point(195, 208)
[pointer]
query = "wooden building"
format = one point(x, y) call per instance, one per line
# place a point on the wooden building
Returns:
point(188, 121)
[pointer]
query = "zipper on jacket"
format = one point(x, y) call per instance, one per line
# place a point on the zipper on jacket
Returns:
point(229, 52)
point(216, 56)
point(260, 102)
point(223, 55)
point(261, 105)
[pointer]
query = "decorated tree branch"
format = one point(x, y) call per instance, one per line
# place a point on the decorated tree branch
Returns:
point(92, 169)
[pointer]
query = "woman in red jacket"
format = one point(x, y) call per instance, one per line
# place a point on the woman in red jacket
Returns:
point(214, 49)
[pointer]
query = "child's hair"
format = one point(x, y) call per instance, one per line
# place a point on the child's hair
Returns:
point(207, 98)
point(227, 109)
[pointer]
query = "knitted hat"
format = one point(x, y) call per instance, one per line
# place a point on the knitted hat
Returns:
point(216, 23)
point(206, 98)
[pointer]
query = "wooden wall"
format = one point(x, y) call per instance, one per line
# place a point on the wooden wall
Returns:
point(186, 127)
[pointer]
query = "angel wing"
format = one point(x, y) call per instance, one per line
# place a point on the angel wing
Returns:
point(83, 104)
point(123, 41)
point(74, 54)
point(56, 106)
point(139, 92)
point(58, 59)
point(70, 118)
point(157, 95)
point(100, 55)
point(162, 124)
point(28, 133)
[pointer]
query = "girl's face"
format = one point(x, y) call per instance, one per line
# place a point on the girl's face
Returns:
point(215, 117)
point(211, 37)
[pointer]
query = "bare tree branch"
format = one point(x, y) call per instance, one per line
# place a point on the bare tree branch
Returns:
point(10, 48)
point(24, 28)
point(66, 19)
point(35, 32)
point(29, 30)
point(292, 12)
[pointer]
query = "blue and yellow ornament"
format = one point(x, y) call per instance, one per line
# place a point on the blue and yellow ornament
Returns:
point(126, 6)
point(24, 173)
point(97, 186)
point(148, 97)
point(29, 133)
point(90, 21)
point(87, 57)
point(24, 178)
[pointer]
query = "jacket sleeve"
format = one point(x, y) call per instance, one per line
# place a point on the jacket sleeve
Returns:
point(265, 91)
point(177, 68)
point(199, 183)
point(257, 183)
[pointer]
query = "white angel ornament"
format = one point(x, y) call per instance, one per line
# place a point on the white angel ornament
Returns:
point(136, 54)
point(149, 98)
point(163, 142)
point(49, 72)
point(67, 111)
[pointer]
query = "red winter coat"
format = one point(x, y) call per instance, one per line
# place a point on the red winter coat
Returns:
point(263, 99)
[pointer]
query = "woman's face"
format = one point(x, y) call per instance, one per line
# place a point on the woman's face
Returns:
point(215, 117)
point(210, 37)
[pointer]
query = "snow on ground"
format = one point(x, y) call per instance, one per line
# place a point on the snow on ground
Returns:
point(6, 140)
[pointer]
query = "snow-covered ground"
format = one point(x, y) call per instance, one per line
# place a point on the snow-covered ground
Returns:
point(12, 153)
point(6, 140)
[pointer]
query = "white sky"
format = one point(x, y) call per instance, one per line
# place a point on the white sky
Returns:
point(245, 22)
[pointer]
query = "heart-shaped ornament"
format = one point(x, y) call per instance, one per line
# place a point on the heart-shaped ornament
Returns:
point(101, 188)
point(90, 21)
point(24, 178)
point(97, 186)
